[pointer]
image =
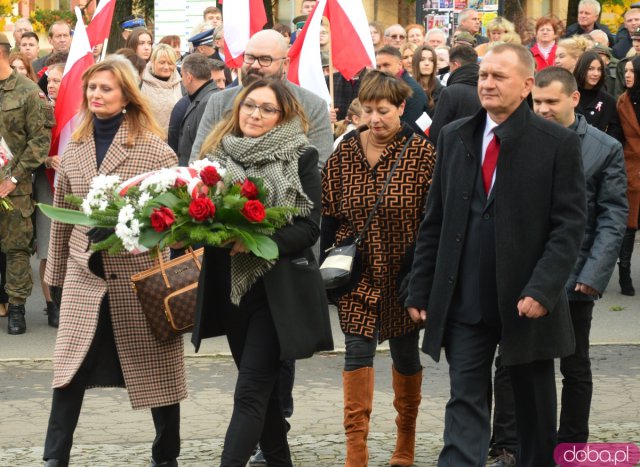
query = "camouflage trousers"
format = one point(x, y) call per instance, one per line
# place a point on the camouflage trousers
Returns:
point(16, 236)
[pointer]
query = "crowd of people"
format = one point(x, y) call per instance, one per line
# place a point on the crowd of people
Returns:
point(489, 183)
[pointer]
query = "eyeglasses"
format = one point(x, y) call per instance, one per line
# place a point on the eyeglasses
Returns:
point(397, 36)
point(264, 61)
point(266, 111)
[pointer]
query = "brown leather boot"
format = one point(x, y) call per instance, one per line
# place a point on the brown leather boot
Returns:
point(408, 394)
point(358, 400)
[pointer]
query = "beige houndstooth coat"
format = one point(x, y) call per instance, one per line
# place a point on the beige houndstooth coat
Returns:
point(153, 371)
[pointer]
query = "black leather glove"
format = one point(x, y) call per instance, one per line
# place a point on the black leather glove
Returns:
point(98, 234)
point(56, 295)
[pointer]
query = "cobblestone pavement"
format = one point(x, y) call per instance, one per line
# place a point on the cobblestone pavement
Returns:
point(111, 434)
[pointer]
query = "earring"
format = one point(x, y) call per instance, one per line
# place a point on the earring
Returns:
point(124, 110)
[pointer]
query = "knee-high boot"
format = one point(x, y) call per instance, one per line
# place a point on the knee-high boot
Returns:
point(624, 265)
point(408, 394)
point(358, 401)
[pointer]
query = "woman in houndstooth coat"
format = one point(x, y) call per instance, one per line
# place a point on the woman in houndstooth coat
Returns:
point(103, 338)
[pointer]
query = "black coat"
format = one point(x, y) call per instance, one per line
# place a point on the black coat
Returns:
point(623, 43)
point(458, 99)
point(188, 128)
point(575, 28)
point(538, 213)
point(599, 108)
point(294, 287)
point(415, 105)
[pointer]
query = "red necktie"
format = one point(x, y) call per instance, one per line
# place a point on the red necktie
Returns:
point(489, 164)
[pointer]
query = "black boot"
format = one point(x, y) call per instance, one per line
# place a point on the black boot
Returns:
point(17, 324)
point(56, 463)
point(53, 314)
point(624, 265)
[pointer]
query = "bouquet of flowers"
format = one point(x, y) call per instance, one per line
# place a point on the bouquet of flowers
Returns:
point(182, 205)
point(5, 157)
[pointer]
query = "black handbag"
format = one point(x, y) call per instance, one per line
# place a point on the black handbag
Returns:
point(342, 267)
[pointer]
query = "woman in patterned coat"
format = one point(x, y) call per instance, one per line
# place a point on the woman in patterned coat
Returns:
point(371, 312)
point(104, 338)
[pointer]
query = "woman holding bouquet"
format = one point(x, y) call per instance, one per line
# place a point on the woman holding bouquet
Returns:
point(370, 310)
point(103, 337)
point(269, 310)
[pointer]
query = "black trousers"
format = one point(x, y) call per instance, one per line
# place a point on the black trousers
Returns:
point(67, 404)
point(577, 388)
point(469, 349)
point(577, 382)
point(257, 413)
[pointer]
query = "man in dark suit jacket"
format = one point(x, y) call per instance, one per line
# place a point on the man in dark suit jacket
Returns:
point(500, 236)
point(388, 59)
point(460, 98)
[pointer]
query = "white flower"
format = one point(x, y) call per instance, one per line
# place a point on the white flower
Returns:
point(130, 239)
point(105, 182)
point(86, 207)
point(144, 198)
point(126, 214)
point(159, 182)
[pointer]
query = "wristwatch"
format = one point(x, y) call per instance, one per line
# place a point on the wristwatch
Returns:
point(14, 180)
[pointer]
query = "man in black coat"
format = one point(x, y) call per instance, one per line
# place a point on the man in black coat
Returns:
point(460, 98)
point(588, 13)
point(500, 236)
point(388, 59)
point(623, 36)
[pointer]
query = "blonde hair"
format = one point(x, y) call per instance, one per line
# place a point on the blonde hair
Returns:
point(289, 106)
point(355, 110)
point(500, 24)
point(574, 45)
point(163, 51)
point(138, 113)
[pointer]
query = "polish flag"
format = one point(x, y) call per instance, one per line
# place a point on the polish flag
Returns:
point(70, 94)
point(100, 26)
point(305, 68)
point(351, 43)
point(242, 19)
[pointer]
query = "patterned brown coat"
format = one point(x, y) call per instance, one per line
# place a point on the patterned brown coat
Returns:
point(153, 371)
point(350, 188)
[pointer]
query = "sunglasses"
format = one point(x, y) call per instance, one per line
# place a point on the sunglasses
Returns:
point(397, 36)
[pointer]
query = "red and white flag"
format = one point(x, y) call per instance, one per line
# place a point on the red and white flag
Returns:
point(242, 19)
point(70, 95)
point(100, 26)
point(351, 43)
point(305, 68)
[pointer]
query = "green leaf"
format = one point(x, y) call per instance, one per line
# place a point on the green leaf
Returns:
point(69, 216)
point(167, 199)
point(151, 238)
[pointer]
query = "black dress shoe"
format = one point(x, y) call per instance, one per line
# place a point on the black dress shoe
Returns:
point(56, 463)
point(17, 324)
point(171, 463)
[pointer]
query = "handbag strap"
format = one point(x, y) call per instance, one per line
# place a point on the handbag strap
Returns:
point(360, 236)
point(160, 262)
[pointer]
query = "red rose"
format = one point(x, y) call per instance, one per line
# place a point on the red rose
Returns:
point(254, 211)
point(202, 208)
point(249, 190)
point(209, 175)
point(161, 219)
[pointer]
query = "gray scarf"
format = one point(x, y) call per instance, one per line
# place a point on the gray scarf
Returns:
point(273, 157)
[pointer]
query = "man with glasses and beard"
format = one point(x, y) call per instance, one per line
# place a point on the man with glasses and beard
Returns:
point(266, 57)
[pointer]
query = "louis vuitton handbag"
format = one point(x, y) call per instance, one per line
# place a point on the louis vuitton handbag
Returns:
point(167, 293)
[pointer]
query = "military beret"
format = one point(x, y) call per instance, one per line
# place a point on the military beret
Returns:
point(465, 37)
point(202, 38)
point(4, 40)
point(602, 50)
point(635, 34)
point(132, 22)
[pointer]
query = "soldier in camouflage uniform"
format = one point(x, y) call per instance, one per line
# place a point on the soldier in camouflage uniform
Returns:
point(26, 120)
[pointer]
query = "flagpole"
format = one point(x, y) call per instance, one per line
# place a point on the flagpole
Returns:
point(330, 68)
point(104, 49)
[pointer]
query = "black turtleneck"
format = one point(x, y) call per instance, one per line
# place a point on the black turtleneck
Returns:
point(104, 129)
point(195, 94)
